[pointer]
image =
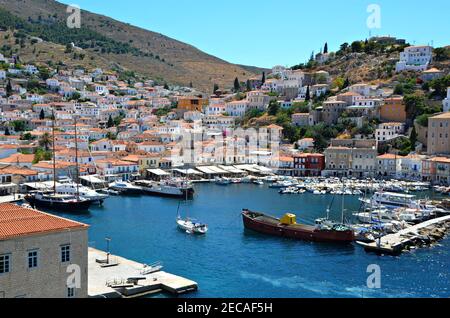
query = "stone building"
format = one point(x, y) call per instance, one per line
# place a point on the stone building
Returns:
point(40, 254)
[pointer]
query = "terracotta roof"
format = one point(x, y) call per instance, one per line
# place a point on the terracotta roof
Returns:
point(18, 157)
point(16, 221)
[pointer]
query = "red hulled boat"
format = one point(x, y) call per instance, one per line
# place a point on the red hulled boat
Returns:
point(289, 228)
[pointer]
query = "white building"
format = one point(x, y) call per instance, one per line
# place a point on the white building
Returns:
point(2, 75)
point(389, 131)
point(446, 101)
point(415, 58)
point(38, 253)
point(236, 108)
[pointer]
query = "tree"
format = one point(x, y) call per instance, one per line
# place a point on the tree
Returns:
point(45, 141)
point(42, 114)
point(413, 137)
point(166, 86)
point(263, 79)
point(346, 83)
point(69, 48)
point(273, 108)
point(357, 46)
point(325, 48)
point(237, 85)
point(110, 122)
point(215, 88)
point(249, 86)
point(7, 132)
point(308, 94)
point(414, 106)
point(8, 88)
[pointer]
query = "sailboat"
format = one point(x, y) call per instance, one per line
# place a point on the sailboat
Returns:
point(53, 200)
point(189, 225)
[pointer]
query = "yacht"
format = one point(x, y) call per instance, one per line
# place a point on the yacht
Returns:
point(223, 181)
point(58, 201)
point(71, 188)
point(167, 188)
point(125, 187)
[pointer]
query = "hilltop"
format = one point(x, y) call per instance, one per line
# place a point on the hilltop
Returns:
point(114, 43)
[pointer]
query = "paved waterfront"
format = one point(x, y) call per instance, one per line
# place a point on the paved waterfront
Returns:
point(230, 262)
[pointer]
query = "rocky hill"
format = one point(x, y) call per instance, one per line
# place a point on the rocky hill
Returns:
point(115, 43)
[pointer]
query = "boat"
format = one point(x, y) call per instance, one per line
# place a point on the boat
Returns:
point(57, 201)
point(258, 182)
point(71, 188)
point(167, 188)
point(52, 199)
point(125, 187)
point(223, 181)
point(191, 226)
point(288, 227)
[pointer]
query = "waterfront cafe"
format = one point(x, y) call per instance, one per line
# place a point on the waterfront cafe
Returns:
point(213, 172)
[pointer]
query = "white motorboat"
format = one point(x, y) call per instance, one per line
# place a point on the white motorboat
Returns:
point(71, 188)
point(167, 188)
point(191, 227)
point(223, 181)
point(125, 187)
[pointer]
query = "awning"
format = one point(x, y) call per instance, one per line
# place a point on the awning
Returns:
point(92, 179)
point(217, 170)
point(188, 171)
point(249, 168)
point(207, 170)
point(231, 169)
point(158, 172)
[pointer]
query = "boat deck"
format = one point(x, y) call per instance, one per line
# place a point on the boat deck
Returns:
point(273, 221)
point(118, 273)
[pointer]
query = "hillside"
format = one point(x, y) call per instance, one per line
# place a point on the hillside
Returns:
point(369, 63)
point(110, 41)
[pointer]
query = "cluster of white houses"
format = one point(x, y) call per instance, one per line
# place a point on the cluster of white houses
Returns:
point(125, 129)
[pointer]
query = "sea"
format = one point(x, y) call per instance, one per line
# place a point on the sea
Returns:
point(233, 262)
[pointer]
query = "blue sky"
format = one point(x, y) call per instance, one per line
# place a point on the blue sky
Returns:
point(270, 32)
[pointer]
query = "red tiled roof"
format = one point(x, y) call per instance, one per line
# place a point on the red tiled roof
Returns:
point(16, 221)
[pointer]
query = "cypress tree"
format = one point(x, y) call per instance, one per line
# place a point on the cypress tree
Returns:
point(249, 86)
point(7, 132)
point(325, 49)
point(263, 80)
point(41, 114)
point(8, 88)
point(308, 95)
point(237, 85)
point(110, 122)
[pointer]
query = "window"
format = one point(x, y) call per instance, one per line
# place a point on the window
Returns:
point(70, 292)
point(4, 264)
point(32, 259)
point(65, 253)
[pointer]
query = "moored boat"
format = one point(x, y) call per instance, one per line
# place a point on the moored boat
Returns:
point(289, 228)
point(58, 201)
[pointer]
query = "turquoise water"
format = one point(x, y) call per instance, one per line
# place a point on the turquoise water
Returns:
point(232, 262)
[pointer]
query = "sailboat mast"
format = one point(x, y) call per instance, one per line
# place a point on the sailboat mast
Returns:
point(54, 156)
point(76, 159)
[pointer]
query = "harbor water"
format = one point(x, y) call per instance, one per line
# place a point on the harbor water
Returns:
point(232, 262)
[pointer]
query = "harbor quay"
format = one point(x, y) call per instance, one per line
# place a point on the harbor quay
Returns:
point(111, 276)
